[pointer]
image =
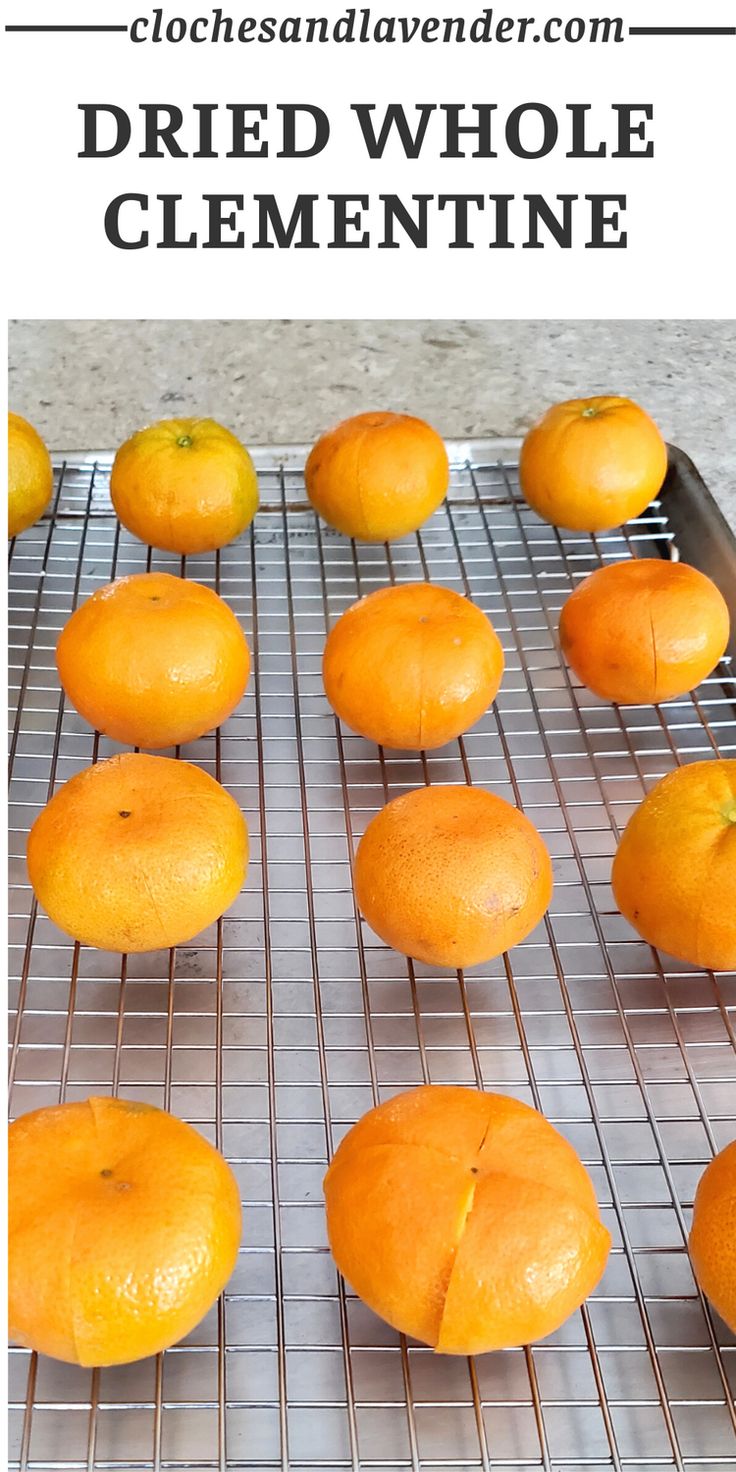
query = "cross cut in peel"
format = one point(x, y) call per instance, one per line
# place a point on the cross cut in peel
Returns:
point(124, 1226)
point(464, 1219)
point(412, 666)
point(674, 872)
point(644, 631)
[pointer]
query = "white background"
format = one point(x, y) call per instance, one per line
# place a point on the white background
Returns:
point(680, 217)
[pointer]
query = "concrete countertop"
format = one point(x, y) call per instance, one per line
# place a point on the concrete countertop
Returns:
point(89, 384)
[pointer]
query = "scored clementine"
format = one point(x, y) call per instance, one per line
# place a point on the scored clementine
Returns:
point(412, 666)
point(452, 875)
point(590, 464)
point(645, 630)
point(674, 872)
point(713, 1234)
point(138, 853)
point(30, 475)
point(185, 485)
point(464, 1219)
point(377, 476)
point(124, 1227)
point(153, 660)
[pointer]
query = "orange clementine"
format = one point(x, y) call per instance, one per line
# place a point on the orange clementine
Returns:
point(138, 853)
point(643, 631)
point(30, 476)
point(452, 875)
point(412, 666)
point(378, 476)
point(674, 873)
point(186, 485)
point(153, 660)
point(713, 1234)
point(124, 1226)
point(464, 1219)
point(590, 464)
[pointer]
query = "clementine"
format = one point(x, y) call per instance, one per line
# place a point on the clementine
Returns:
point(153, 660)
point(124, 1227)
point(643, 631)
point(713, 1234)
point(138, 853)
point(377, 476)
point(452, 875)
point(591, 464)
point(186, 485)
point(464, 1219)
point(674, 873)
point(30, 476)
point(412, 666)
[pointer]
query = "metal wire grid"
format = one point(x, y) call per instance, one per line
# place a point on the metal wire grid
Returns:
point(278, 1027)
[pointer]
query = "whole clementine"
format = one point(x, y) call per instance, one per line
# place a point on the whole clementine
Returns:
point(464, 1219)
point(713, 1234)
point(452, 875)
point(378, 476)
point(153, 660)
point(185, 485)
point(590, 464)
point(645, 630)
point(138, 853)
point(674, 872)
point(124, 1227)
point(412, 666)
point(30, 476)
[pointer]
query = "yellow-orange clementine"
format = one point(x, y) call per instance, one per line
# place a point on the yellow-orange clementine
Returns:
point(713, 1234)
point(378, 476)
point(153, 660)
point(186, 485)
point(645, 630)
point(124, 1226)
point(138, 853)
point(464, 1219)
point(30, 475)
point(590, 464)
point(674, 873)
point(412, 666)
point(452, 875)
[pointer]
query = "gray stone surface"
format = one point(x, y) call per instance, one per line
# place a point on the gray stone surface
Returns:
point(88, 384)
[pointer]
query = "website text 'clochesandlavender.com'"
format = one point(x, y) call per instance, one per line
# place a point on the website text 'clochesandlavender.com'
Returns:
point(301, 131)
point(365, 25)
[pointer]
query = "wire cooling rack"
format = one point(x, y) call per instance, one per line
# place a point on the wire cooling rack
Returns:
point(281, 1025)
